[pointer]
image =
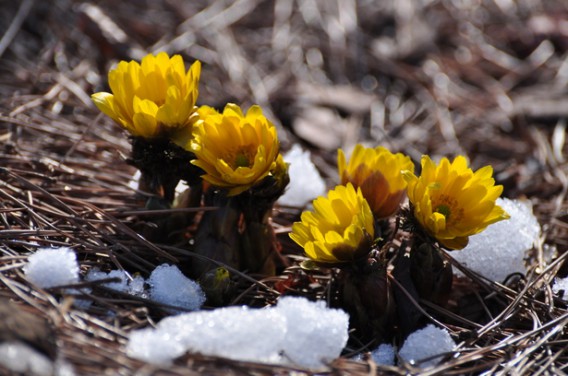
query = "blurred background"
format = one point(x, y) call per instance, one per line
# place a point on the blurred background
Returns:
point(480, 77)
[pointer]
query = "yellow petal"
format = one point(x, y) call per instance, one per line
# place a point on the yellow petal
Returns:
point(144, 119)
point(338, 227)
point(239, 150)
point(164, 82)
point(451, 202)
point(104, 102)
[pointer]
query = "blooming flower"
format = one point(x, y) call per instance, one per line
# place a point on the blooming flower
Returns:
point(153, 99)
point(236, 151)
point(340, 229)
point(377, 172)
point(451, 202)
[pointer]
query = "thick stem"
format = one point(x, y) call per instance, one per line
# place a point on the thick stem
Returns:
point(218, 236)
point(366, 295)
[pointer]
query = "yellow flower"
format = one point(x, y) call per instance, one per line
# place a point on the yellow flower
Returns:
point(377, 172)
point(340, 229)
point(236, 151)
point(153, 99)
point(452, 202)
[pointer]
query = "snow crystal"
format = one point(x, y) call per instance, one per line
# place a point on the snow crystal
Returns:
point(134, 183)
point(21, 358)
point(78, 302)
point(134, 286)
point(499, 250)
point(233, 332)
point(296, 330)
point(316, 335)
point(561, 284)
point(169, 286)
point(135, 180)
point(425, 343)
point(50, 267)
point(305, 181)
point(96, 274)
point(384, 354)
point(62, 368)
point(157, 346)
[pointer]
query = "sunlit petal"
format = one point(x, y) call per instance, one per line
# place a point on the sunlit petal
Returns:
point(451, 202)
point(339, 229)
point(160, 80)
point(378, 173)
point(229, 149)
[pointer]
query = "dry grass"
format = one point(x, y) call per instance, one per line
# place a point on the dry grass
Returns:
point(486, 78)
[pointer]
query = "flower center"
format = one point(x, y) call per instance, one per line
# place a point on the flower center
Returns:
point(449, 207)
point(242, 160)
point(241, 157)
point(444, 209)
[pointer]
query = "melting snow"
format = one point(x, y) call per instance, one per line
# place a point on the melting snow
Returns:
point(426, 343)
point(561, 284)
point(500, 250)
point(384, 354)
point(305, 181)
point(169, 286)
point(296, 331)
point(50, 267)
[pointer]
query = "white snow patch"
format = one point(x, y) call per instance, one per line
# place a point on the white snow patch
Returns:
point(561, 284)
point(305, 181)
point(135, 180)
point(425, 343)
point(314, 332)
point(79, 302)
point(134, 286)
point(499, 250)
point(169, 286)
point(232, 332)
point(96, 274)
point(134, 183)
point(296, 331)
point(157, 346)
point(50, 267)
point(21, 358)
point(384, 354)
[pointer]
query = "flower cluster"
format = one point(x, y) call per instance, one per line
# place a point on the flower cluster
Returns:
point(449, 202)
point(231, 160)
point(156, 99)
point(351, 231)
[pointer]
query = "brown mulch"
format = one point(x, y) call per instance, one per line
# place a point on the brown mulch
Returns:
point(488, 79)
